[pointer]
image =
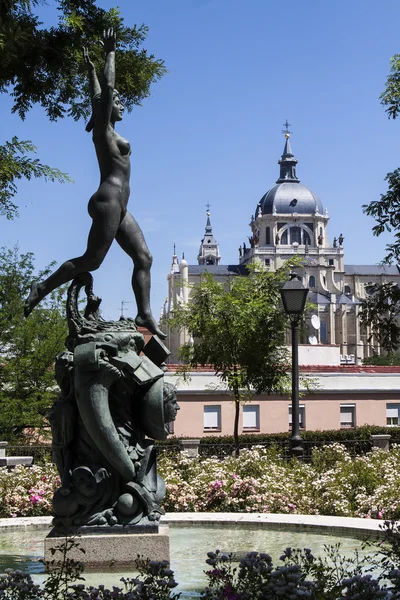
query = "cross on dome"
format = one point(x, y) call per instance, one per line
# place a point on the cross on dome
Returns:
point(286, 130)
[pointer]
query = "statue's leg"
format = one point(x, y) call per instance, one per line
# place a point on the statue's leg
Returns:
point(130, 238)
point(106, 219)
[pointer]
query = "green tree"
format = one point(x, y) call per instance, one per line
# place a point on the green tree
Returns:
point(383, 361)
point(381, 311)
point(239, 329)
point(386, 211)
point(390, 97)
point(44, 66)
point(27, 346)
point(14, 164)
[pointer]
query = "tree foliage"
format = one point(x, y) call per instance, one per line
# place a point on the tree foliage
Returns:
point(27, 346)
point(388, 360)
point(386, 213)
point(390, 96)
point(239, 329)
point(381, 311)
point(44, 66)
point(15, 164)
point(386, 210)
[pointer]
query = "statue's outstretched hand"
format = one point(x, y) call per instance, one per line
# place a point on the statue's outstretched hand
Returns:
point(109, 40)
point(86, 58)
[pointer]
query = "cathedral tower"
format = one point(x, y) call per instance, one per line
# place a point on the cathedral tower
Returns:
point(209, 247)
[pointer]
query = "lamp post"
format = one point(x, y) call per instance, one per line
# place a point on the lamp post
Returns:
point(294, 296)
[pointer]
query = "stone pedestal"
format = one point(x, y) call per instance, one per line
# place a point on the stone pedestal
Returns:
point(191, 447)
point(13, 461)
point(381, 441)
point(112, 550)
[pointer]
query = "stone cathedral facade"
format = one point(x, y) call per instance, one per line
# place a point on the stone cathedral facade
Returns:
point(289, 220)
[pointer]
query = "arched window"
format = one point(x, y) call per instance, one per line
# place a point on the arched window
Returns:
point(347, 290)
point(306, 238)
point(267, 236)
point(295, 235)
point(284, 237)
point(311, 281)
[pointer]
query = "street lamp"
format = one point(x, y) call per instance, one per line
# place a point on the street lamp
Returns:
point(294, 297)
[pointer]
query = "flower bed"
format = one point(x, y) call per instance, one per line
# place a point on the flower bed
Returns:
point(332, 483)
point(27, 492)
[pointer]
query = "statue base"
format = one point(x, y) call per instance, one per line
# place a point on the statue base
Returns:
point(106, 549)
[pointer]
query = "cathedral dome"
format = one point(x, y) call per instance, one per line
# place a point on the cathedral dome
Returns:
point(289, 196)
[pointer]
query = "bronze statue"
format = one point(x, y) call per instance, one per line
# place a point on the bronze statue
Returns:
point(108, 205)
point(113, 399)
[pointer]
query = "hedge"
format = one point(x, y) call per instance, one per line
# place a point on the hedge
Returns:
point(329, 435)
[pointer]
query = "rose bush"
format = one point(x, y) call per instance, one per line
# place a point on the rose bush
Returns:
point(332, 483)
point(27, 492)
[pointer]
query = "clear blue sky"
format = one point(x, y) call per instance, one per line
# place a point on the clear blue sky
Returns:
point(211, 132)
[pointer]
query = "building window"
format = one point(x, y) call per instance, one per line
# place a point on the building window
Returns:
point(393, 415)
point(284, 238)
point(347, 290)
point(306, 238)
point(323, 333)
point(295, 235)
point(212, 418)
point(369, 288)
point(331, 262)
point(347, 415)
point(267, 262)
point(302, 416)
point(311, 281)
point(251, 416)
point(267, 236)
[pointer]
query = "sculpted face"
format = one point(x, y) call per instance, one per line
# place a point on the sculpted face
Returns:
point(117, 108)
point(171, 409)
point(123, 339)
point(84, 481)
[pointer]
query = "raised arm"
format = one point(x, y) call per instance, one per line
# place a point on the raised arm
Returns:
point(94, 86)
point(109, 67)
point(103, 110)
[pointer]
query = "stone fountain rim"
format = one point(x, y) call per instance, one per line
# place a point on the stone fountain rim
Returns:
point(350, 526)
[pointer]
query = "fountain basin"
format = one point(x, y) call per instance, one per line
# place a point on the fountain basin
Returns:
point(192, 535)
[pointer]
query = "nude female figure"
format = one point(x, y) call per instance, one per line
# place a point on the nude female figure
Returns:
point(108, 206)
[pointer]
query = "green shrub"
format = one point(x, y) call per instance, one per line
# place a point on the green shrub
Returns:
point(362, 433)
point(383, 361)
